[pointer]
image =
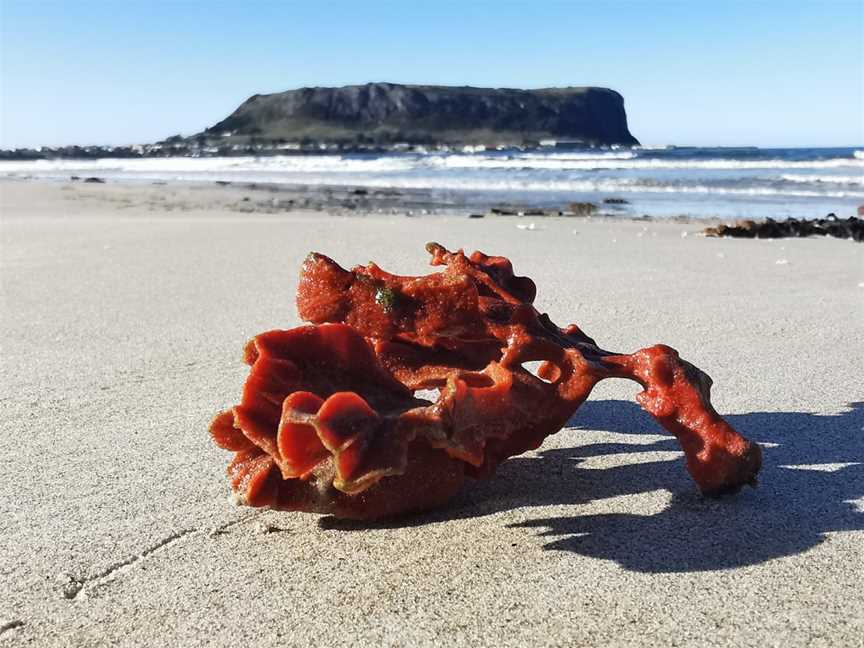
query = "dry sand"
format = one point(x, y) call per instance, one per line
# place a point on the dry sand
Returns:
point(122, 327)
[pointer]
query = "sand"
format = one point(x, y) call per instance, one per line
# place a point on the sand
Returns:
point(124, 312)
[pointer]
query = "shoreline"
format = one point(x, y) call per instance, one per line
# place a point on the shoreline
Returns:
point(336, 200)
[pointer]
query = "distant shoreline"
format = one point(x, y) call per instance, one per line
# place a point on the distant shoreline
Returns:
point(185, 147)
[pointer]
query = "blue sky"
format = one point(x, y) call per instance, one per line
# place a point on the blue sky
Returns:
point(697, 72)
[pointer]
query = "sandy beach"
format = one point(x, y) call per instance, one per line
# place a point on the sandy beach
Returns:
point(125, 309)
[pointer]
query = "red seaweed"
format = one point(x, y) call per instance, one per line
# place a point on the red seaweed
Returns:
point(330, 419)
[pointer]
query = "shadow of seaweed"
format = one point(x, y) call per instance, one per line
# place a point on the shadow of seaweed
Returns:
point(812, 483)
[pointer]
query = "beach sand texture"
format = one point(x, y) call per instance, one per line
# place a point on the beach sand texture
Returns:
point(124, 314)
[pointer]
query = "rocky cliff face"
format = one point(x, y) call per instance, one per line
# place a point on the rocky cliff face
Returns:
point(386, 113)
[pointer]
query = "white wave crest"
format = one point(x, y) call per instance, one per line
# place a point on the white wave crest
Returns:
point(617, 160)
point(578, 155)
point(575, 164)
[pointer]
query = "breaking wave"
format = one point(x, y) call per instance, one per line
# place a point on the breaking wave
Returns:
point(553, 161)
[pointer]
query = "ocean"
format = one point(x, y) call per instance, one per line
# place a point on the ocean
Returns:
point(695, 182)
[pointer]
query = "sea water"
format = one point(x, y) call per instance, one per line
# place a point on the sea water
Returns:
point(655, 181)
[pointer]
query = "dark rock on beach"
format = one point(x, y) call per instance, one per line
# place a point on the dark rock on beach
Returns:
point(521, 210)
point(582, 208)
point(539, 211)
point(849, 228)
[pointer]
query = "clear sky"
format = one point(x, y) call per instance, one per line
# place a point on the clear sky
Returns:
point(764, 73)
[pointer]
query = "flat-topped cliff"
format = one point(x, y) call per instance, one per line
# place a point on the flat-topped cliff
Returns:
point(388, 113)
